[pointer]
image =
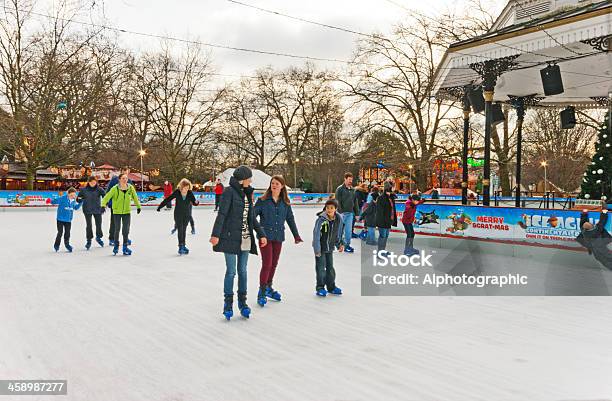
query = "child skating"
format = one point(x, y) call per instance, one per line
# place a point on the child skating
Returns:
point(412, 203)
point(66, 205)
point(327, 235)
point(233, 234)
point(184, 199)
point(122, 196)
point(91, 196)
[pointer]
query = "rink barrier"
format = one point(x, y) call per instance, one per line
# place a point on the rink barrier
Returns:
point(522, 226)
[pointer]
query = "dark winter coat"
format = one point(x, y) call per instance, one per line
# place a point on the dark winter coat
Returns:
point(182, 207)
point(385, 211)
point(327, 234)
point(347, 201)
point(228, 224)
point(369, 212)
point(272, 217)
point(91, 197)
point(362, 196)
point(597, 240)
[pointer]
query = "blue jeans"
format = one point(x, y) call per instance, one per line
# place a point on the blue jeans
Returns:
point(231, 260)
point(383, 234)
point(371, 237)
point(347, 219)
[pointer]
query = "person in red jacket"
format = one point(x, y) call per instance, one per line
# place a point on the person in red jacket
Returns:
point(218, 193)
point(413, 201)
point(167, 192)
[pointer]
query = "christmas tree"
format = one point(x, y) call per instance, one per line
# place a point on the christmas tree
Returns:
point(596, 181)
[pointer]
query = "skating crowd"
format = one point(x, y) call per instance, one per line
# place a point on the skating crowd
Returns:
point(244, 226)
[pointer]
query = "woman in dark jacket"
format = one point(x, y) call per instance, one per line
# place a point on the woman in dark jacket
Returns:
point(233, 235)
point(184, 200)
point(273, 210)
point(385, 215)
point(91, 196)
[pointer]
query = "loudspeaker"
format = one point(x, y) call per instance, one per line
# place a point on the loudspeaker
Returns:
point(476, 99)
point(498, 114)
point(551, 80)
point(568, 118)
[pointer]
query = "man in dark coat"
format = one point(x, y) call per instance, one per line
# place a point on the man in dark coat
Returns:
point(348, 209)
point(233, 234)
point(91, 196)
point(595, 238)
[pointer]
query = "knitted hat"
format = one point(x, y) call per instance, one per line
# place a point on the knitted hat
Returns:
point(242, 173)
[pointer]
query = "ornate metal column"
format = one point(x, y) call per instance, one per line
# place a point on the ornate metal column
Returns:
point(520, 103)
point(464, 153)
point(490, 70)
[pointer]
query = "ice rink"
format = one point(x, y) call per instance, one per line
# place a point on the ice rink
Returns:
point(149, 327)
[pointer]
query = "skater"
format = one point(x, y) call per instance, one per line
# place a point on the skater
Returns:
point(595, 238)
point(114, 181)
point(347, 207)
point(233, 235)
point(91, 196)
point(122, 196)
point(385, 215)
point(273, 210)
point(361, 196)
point(66, 205)
point(327, 235)
point(368, 216)
point(413, 201)
point(167, 193)
point(184, 199)
point(218, 193)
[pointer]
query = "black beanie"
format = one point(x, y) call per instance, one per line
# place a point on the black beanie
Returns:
point(242, 173)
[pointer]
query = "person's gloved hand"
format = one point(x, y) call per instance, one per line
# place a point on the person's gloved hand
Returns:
point(102, 209)
point(298, 240)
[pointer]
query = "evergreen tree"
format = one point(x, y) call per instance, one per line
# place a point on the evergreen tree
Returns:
point(596, 182)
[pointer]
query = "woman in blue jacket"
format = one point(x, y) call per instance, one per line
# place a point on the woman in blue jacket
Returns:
point(273, 209)
point(233, 234)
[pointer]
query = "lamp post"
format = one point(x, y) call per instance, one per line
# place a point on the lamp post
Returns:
point(410, 167)
point(544, 164)
point(142, 154)
point(297, 160)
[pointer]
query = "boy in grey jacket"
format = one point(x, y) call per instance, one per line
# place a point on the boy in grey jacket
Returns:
point(327, 235)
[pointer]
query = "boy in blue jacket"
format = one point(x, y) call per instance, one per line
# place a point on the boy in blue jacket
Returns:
point(327, 235)
point(66, 205)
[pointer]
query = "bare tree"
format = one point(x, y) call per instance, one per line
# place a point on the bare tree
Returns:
point(180, 108)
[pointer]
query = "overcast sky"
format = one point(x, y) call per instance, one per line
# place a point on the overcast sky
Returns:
point(222, 22)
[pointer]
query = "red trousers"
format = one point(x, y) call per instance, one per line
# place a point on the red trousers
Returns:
point(269, 260)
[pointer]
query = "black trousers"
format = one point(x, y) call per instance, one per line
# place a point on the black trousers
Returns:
point(190, 221)
point(181, 228)
point(326, 274)
point(62, 228)
point(89, 229)
point(122, 222)
point(409, 236)
point(217, 199)
point(111, 230)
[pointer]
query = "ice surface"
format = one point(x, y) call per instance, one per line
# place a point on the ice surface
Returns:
point(149, 327)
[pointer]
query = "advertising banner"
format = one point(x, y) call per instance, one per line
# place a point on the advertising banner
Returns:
point(148, 198)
